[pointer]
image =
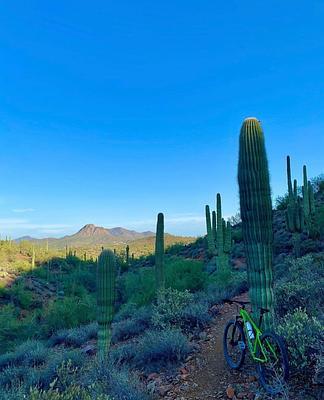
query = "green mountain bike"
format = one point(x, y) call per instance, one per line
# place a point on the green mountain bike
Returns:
point(267, 349)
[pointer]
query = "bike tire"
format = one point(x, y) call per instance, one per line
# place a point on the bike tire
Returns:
point(279, 379)
point(232, 328)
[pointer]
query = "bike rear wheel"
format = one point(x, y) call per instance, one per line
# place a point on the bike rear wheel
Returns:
point(234, 344)
point(275, 371)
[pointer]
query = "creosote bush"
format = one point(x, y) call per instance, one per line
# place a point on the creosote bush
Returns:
point(169, 306)
point(303, 335)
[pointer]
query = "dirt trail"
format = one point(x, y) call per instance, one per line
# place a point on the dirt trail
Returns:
point(206, 375)
point(211, 376)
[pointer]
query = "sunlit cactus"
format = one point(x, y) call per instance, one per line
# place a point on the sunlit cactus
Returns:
point(159, 253)
point(210, 237)
point(256, 214)
point(33, 258)
point(106, 281)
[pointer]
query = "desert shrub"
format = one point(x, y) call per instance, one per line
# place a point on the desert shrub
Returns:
point(20, 296)
point(10, 328)
point(83, 278)
point(237, 234)
point(69, 312)
point(318, 378)
point(12, 376)
point(134, 326)
point(169, 306)
point(195, 315)
point(29, 354)
point(282, 202)
point(15, 330)
point(74, 337)
point(224, 286)
point(153, 351)
point(302, 285)
point(320, 220)
point(310, 246)
point(70, 393)
point(237, 250)
point(16, 392)
point(138, 286)
point(184, 274)
point(175, 249)
point(74, 358)
point(126, 311)
point(157, 350)
point(120, 384)
point(318, 183)
point(303, 335)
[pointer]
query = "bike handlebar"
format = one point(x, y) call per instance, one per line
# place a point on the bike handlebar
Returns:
point(243, 303)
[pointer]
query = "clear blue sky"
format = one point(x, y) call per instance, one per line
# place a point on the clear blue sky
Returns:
point(111, 111)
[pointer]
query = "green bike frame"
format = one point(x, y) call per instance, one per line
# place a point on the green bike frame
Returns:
point(255, 344)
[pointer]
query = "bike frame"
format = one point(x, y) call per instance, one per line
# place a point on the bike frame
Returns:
point(255, 344)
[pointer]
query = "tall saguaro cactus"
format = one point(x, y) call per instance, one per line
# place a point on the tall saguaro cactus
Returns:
point(219, 233)
point(159, 253)
point(210, 236)
point(214, 226)
point(256, 213)
point(106, 278)
point(294, 212)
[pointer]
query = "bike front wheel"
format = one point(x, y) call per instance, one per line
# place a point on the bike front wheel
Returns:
point(274, 372)
point(234, 344)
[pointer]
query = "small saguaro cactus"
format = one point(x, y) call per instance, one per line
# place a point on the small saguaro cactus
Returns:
point(127, 255)
point(210, 237)
point(159, 253)
point(106, 282)
point(256, 214)
point(33, 258)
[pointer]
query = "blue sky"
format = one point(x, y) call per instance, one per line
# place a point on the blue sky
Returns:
point(111, 112)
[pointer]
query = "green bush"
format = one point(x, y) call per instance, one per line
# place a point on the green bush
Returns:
point(138, 287)
point(184, 274)
point(303, 335)
point(13, 329)
point(69, 312)
point(20, 296)
point(169, 306)
point(301, 285)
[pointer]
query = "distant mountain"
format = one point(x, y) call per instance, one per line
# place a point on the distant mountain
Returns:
point(93, 235)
